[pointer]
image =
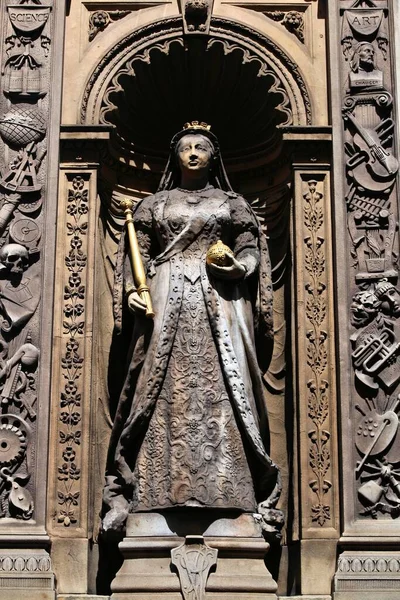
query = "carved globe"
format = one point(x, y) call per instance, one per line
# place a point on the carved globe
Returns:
point(18, 128)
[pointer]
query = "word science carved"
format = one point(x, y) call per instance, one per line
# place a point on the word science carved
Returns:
point(372, 218)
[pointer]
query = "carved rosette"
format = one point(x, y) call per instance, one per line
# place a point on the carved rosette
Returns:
point(316, 385)
point(292, 20)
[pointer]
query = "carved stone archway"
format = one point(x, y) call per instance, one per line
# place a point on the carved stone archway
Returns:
point(229, 42)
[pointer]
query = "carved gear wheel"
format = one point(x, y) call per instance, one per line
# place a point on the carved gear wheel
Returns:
point(13, 443)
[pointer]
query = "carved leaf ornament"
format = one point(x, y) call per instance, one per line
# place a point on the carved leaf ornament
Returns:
point(70, 435)
point(316, 353)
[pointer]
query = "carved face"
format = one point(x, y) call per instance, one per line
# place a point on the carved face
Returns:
point(391, 296)
point(293, 18)
point(366, 53)
point(194, 153)
point(363, 308)
point(15, 258)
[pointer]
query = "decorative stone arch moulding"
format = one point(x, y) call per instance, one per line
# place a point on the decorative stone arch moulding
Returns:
point(255, 46)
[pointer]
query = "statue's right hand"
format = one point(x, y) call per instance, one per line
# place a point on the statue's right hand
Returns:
point(136, 304)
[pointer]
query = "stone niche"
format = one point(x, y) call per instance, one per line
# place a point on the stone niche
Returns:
point(300, 98)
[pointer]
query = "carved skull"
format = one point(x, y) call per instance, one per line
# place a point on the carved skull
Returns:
point(15, 258)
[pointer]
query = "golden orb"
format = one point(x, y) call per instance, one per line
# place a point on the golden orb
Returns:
point(217, 254)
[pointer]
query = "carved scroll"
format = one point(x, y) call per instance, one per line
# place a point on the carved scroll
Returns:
point(193, 561)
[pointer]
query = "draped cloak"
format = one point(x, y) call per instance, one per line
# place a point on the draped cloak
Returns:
point(185, 434)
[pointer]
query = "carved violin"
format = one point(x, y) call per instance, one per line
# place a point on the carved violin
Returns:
point(380, 163)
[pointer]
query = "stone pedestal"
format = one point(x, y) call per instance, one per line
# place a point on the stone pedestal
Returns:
point(239, 574)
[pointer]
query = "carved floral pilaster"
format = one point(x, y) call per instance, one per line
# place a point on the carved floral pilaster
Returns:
point(71, 367)
point(316, 384)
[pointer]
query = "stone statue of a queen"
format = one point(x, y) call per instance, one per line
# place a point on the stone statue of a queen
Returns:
point(191, 426)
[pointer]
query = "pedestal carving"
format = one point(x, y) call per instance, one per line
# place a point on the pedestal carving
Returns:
point(193, 561)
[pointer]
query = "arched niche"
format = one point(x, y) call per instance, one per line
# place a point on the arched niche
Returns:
point(237, 79)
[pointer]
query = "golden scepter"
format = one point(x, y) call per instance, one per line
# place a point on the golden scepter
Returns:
point(139, 275)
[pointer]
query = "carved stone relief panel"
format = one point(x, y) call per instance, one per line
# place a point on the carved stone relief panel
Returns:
point(361, 572)
point(295, 18)
point(24, 114)
point(71, 366)
point(316, 382)
point(371, 168)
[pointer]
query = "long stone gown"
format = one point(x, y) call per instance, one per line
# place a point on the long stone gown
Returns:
point(188, 426)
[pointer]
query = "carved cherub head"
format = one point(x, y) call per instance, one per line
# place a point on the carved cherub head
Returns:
point(14, 259)
point(364, 308)
point(363, 58)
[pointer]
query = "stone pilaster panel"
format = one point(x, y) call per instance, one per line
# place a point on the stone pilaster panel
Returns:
point(73, 371)
point(314, 357)
point(31, 35)
point(366, 213)
point(367, 249)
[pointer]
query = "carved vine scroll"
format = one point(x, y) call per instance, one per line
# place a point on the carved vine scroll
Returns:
point(71, 372)
point(315, 335)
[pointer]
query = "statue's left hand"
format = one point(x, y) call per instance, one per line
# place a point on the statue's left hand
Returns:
point(233, 270)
